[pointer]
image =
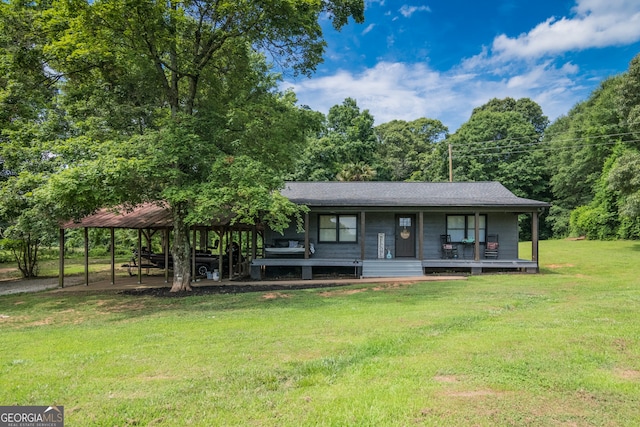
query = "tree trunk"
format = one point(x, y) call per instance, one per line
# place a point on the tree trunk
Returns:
point(25, 252)
point(181, 252)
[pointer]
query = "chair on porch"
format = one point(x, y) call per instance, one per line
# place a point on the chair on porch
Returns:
point(492, 245)
point(448, 249)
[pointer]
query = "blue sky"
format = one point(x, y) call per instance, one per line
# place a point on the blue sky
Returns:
point(442, 58)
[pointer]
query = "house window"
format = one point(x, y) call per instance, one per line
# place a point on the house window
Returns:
point(462, 227)
point(338, 228)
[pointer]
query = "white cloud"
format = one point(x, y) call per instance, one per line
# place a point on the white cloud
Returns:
point(407, 11)
point(368, 29)
point(595, 24)
point(530, 65)
point(410, 91)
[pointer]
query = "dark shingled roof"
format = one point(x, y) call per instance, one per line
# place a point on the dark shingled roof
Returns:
point(342, 194)
point(409, 194)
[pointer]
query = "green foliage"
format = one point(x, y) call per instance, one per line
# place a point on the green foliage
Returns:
point(412, 150)
point(348, 139)
point(595, 163)
point(159, 95)
point(356, 172)
point(581, 143)
point(499, 142)
point(624, 178)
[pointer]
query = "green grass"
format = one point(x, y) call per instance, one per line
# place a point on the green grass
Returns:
point(98, 267)
point(561, 348)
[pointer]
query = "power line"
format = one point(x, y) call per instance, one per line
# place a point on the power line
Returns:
point(543, 139)
point(539, 148)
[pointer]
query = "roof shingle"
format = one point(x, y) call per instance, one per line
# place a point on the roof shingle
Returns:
point(394, 194)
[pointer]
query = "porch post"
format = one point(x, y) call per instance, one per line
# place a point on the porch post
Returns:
point(306, 236)
point(534, 237)
point(476, 243)
point(86, 256)
point(363, 235)
point(113, 255)
point(61, 259)
point(421, 235)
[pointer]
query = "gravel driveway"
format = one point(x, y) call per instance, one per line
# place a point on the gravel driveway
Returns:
point(19, 286)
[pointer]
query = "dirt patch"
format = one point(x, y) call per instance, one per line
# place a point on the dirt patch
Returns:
point(445, 379)
point(473, 393)
point(386, 286)
point(275, 295)
point(554, 266)
point(329, 294)
point(628, 374)
point(383, 287)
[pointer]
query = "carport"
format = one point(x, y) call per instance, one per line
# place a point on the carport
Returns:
point(152, 218)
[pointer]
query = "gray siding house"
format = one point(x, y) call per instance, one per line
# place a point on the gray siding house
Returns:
point(384, 229)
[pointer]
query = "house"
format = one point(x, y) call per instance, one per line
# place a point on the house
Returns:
point(370, 229)
point(380, 229)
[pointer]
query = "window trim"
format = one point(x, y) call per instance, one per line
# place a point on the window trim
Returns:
point(337, 228)
point(469, 232)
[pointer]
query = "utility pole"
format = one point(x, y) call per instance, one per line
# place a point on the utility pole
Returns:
point(450, 164)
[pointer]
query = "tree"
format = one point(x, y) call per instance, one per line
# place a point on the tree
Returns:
point(412, 150)
point(347, 138)
point(356, 172)
point(182, 104)
point(27, 123)
point(501, 142)
point(580, 145)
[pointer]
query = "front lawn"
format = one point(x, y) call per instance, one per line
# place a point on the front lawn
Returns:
point(561, 348)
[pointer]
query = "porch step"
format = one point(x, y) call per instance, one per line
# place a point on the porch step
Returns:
point(392, 268)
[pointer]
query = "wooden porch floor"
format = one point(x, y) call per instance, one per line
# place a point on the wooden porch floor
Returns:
point(428, 265)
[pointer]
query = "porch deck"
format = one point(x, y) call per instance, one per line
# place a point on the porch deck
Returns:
point(259, 265)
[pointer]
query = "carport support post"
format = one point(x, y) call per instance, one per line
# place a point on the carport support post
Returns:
point(220, 233)
point(193, 257)
point(86, 256)
point(166, 255)
point(61, 259)
point(139, 255)
point(254, 242)
point(113, 256)
point(230, 252)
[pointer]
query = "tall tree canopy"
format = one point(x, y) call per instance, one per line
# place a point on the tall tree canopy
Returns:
point(175, 101)
point(345, 142)
point(595, 162)
point(27, 123)
point(412, 150)
point(579, 145)
point(500, 142)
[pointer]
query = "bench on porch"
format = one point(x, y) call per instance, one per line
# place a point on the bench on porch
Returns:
point(287, 248)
